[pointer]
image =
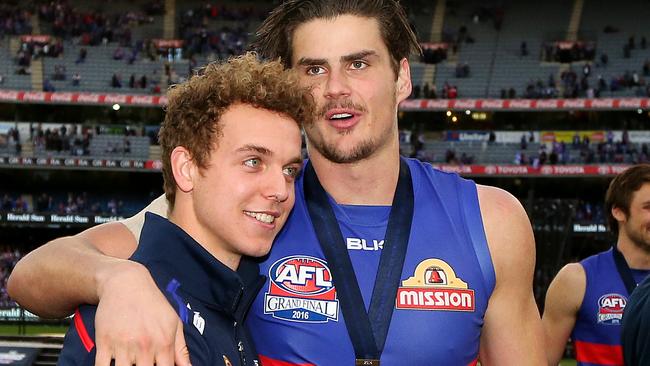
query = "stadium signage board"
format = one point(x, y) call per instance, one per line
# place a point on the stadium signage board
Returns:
point(510, 170)
point(54, 220)
point(488, 104)
point(525, 104)
point(81, 163)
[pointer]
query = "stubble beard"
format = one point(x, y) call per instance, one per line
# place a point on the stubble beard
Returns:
point(638, 240)
point(360, 151)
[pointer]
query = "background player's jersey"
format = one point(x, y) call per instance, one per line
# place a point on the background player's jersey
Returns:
point(597, 331)
point(443, 293)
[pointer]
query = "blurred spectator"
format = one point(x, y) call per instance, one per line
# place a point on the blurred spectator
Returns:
point(76, 79)
point(523, 49)
point(83, 53)
point(116, 81)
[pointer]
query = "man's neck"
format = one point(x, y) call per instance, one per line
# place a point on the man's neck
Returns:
point(370, 181)
point(635, 257)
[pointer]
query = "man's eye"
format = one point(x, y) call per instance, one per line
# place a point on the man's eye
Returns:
point(252, 163)
point(315, 70)
point(358, 65)
point(291, 171)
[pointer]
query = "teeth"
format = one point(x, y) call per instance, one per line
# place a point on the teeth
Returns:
point(265, 218)
point(341, 115)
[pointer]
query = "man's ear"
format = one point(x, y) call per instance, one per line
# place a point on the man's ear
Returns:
point(404, 85)
point(183, 168)
point(618, 214)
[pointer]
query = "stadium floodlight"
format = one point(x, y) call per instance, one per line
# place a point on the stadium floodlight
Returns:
point(468, 112)
point(116, 107)
point(448, 113)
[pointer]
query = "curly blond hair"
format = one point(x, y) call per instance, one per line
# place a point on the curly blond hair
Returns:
point(195, 106)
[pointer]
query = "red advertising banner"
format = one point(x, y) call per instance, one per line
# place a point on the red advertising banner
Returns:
point(82, 98)
point(80, 163)
point(147, 100)
point(168, 43)
point(35, 38)
point(524, 104)
point(530, 171)
point(508, 170)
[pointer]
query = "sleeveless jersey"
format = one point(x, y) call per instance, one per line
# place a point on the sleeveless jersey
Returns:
point(597, 331)
point(444, 288)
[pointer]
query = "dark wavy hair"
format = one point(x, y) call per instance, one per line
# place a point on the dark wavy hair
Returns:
point(275, 35)
point(620, 191)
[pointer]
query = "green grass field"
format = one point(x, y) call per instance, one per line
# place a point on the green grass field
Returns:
point(33, 329)
point(568, 362)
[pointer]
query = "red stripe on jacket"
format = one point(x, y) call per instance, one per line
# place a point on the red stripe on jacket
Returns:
point(82, 331)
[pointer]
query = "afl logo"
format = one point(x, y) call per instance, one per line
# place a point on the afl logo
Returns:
point(301, 275)
point(301, 290)
point(614, 303)
point(610, 309)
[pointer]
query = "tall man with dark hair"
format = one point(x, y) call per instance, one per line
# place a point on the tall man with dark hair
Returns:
point(382, 258)
point(586, 300)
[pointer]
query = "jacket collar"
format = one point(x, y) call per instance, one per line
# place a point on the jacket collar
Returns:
point(201, 275)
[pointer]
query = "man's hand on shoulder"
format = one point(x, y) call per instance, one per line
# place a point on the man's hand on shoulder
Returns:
point(135, 324)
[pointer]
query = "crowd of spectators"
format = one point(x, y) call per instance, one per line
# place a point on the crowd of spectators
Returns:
point(8, 259)
point(93, 27)
point(63, 204)
point(449, 91)
point(200, 38)
point(11, 141)
point(14, 21)
point(585, 151)
point(73, 140)
point(568, 51)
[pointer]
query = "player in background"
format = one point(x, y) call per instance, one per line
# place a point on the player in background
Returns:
point(585, 301)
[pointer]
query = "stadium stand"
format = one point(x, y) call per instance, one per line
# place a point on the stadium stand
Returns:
point(494, 49)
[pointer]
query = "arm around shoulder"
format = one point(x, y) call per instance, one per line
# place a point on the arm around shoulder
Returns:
point(563, 300)
point(512, 331)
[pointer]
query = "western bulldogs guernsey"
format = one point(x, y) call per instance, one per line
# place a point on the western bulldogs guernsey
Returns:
point(209, 297)
point(597, 331)
point(445, 283)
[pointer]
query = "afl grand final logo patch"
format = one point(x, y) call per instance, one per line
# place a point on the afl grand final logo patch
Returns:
point(434, 286)
point(301, 290)
point(610, 309)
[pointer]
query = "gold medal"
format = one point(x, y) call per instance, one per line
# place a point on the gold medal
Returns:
point(366, 362)
point(226, 361)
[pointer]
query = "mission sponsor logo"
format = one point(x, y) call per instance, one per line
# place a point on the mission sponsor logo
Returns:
point(610, 309)
point(301, 290)
point(435, 286)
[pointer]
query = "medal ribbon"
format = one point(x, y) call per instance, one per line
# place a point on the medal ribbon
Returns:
point(367, 330)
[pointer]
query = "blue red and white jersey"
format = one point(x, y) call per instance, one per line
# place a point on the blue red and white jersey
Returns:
point(597, 331)
point(444, 288)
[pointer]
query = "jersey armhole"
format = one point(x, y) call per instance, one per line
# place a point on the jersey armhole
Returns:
point(468, 198)
point(135, 223)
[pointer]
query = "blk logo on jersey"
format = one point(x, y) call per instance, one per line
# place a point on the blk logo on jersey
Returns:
point(610, 309)
point(301, 290)
point(434, 286)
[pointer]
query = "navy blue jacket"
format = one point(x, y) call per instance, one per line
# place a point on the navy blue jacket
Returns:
point(209, 297)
